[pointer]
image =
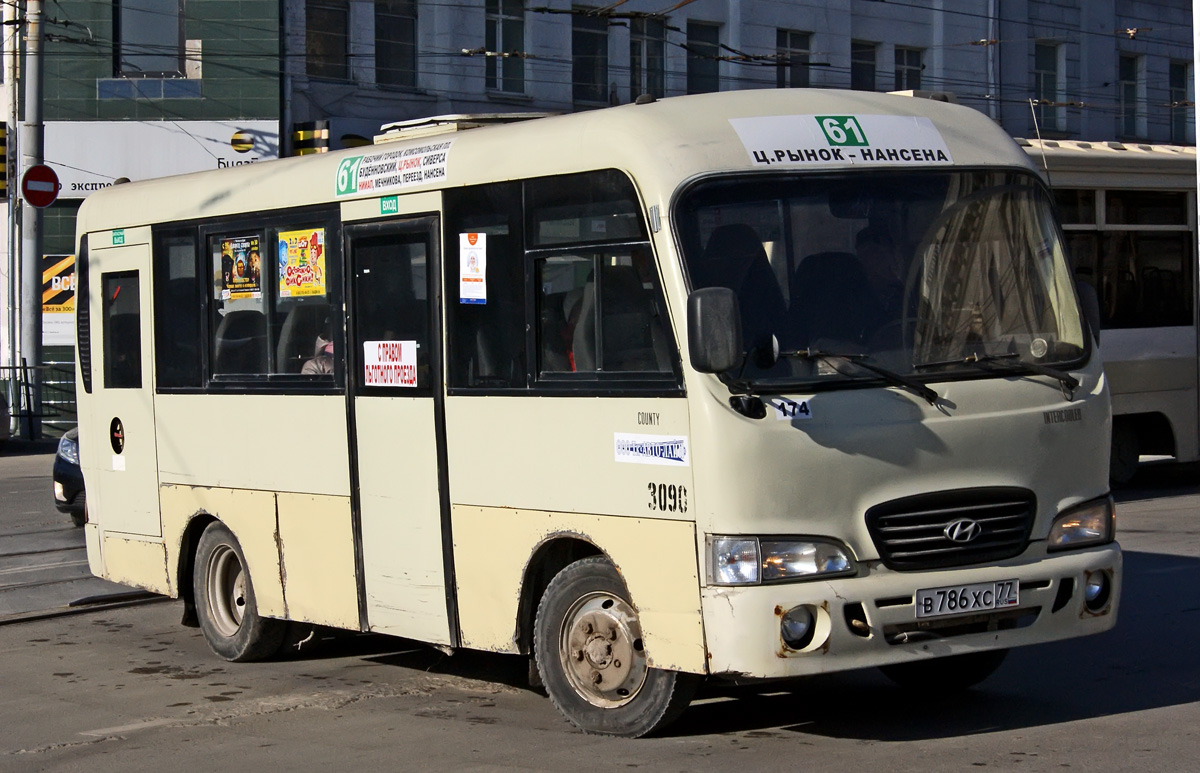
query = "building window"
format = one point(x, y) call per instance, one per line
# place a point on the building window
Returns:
point(396, 43)
point(589, 57)
point(1183, 120)
point(862, 65)
point(1047, 86)
point(149, 38)
point(908, 68)
point(1131, 96)
point(505, 34)
point(703, 67)
point(647, 57)
point(327, 39)
point(793, 49)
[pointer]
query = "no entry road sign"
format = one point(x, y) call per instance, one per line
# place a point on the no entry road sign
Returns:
point(40, 185)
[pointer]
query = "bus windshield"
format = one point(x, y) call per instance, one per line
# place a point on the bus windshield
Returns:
point(929, 273)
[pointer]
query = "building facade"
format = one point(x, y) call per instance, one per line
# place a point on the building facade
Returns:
point(1085, 69)
point(132, 89)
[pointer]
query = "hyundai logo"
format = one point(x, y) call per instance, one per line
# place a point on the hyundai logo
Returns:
point(963, 530)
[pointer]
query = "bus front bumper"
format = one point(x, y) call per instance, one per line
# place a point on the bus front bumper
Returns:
point(871, 620)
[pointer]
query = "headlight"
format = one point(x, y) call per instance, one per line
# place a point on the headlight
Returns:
point(750, 560)
point(68, 449)
point(1092, 523)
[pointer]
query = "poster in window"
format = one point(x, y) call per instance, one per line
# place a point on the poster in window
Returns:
point(241, 268)
point(302, 263)
point(472, 268)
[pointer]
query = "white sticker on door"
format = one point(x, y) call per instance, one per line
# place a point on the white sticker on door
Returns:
point(662, 450)
point(390, 363)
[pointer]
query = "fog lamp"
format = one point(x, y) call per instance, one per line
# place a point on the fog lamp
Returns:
point(797, 627)
point(1096, 591)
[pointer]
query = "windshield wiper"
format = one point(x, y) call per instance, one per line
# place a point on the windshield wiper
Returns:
point(1010, 362)
point(859, 361)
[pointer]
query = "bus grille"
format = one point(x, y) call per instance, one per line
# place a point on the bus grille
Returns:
point(914, 533)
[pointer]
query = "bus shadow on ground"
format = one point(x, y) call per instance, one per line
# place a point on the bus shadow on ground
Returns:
point(1146, 662)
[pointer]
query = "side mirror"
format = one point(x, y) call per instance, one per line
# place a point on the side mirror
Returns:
point(714, 330)
point(1089, 302)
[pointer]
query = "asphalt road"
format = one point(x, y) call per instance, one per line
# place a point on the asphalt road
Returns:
point(130, 689)
point(43, 563)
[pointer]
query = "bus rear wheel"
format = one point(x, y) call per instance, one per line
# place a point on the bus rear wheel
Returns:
point(941, 676)
point(590, 657)
point(225, 602)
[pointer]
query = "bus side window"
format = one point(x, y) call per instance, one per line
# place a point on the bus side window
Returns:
point(122, 330)
point(275, 304)
point(486, 341)
point(178, 320)
point(391, 295)
point(600, 309)
point(613, 325)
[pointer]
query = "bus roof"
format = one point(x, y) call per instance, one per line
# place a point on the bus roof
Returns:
point(1077, 163)
point(663, 143)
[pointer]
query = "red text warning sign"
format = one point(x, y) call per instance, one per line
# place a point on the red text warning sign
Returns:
point(390, 363)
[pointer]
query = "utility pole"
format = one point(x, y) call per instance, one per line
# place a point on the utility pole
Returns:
point(32, 137)
point(12, 44)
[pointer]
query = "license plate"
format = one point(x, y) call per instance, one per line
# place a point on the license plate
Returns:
point(965, 599)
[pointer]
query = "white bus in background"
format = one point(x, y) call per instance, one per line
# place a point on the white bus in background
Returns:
point(1129, 216)
point(748, 385)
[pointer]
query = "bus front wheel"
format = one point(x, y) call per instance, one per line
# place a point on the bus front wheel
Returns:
point(590, 657)
point(225, 602)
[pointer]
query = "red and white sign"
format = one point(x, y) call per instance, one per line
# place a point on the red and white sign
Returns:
point(40, 185)
point(390, 363)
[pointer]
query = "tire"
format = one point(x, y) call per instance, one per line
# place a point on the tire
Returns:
point(79, 516)
point(225, 601)
point(1123, 461)
point(939, 676)
point(588, 648)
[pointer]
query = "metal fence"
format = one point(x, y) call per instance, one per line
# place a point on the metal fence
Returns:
point(56, 408)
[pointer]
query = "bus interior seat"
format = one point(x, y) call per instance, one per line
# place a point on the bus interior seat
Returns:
point(298, 335)
point(559, 315)
point(241, 343)
point(831, 297)
point(553, 349)
point(632, 337)
point(124, 351)
point(180, 295)
point(734, 257)
point(495, 360)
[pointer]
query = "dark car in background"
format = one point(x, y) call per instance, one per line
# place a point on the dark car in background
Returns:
point(69, 496)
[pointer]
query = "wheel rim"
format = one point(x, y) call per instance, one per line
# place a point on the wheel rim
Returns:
point(226, 590)
point(600, 646)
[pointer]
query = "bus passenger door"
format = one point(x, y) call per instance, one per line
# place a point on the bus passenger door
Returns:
point(396, 394)
point(125, 462)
